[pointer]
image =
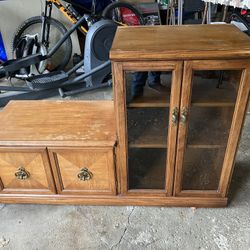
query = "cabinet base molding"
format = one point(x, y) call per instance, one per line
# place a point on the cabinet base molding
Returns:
point(116, 201)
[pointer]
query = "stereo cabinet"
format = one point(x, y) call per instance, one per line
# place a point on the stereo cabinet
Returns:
point(180, 143)
point(174, 147)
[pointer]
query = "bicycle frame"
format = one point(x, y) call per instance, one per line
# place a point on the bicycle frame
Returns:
point(67, 13)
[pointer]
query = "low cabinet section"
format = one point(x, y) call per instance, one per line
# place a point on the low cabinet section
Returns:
point(58, 152)
point(65, 171)
point(83, 171)
point(25, 171)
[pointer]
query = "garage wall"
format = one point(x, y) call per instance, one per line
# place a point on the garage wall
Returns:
point(14, 12)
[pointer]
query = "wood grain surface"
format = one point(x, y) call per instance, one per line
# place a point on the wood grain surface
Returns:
point(67, 164)
point(51, 123)
point(179, 43)
point(35, 161)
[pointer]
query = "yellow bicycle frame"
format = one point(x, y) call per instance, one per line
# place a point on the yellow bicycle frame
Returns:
point(67, 13)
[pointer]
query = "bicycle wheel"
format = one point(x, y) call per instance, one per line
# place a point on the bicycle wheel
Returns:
point(33, 26)
point(123, 14)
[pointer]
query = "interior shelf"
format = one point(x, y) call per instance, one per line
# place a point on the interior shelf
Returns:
point(207, 93)
point(151, 98)
point(148, 127)
point(205, 146)
point(147, 145)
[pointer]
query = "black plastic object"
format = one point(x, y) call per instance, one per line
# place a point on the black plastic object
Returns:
point(12, 66)
point(47, 81)
point(2, 72)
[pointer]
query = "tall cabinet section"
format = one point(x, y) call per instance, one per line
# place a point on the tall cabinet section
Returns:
point(177, 145)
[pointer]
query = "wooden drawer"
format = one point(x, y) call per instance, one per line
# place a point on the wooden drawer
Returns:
point(26, 171)
point(81, 171)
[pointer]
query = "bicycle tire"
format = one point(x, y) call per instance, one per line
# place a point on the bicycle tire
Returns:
point(108, 11)
point(66, 55)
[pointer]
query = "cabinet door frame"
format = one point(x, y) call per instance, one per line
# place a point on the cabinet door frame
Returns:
point(119, 69)
point(236, 124)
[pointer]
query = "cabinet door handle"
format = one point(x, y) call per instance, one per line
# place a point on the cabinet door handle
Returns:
point(184, 114)
point(84, 175)
point(22, 174)
point(175, 116)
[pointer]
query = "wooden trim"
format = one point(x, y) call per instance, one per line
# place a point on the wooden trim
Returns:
point(146, 192)
point(199, 193)
point(185, 55)
point(121, 125)
point(1, 185)
point(186, 91)
point(173, 129)
point(22, 149)
point(111, 169)
point(235, 132)
point(56, 171)
point(70, 144)
point(219, 64)
point(115, 200)
point(150, 66)
point(48, 171)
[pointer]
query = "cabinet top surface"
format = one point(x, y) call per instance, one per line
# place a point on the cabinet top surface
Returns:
point(179, 43)
point(72, 123)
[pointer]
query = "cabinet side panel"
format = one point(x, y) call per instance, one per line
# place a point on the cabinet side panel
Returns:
point(235, 132)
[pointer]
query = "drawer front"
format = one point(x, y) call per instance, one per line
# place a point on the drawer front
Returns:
point(83, 171)
point(25, 170)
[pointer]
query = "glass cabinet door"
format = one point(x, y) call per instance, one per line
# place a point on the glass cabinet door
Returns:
point(209, 94)
point(151, 116)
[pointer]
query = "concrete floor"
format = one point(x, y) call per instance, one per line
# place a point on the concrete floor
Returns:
point(31, 227)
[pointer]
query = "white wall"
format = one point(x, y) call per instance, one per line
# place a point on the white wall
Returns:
point(14, 12)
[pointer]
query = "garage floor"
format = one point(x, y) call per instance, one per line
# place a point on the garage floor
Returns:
point(25, 227)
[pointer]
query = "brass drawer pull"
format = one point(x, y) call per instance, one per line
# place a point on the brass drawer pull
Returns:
point(184, 114)
point(175, 116)
point(85, 175)
point(22, 174)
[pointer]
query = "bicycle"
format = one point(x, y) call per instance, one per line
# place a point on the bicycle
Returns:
point(49, 30)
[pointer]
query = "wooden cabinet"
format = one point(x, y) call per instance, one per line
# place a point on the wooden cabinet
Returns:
point(180, 143)
point(174, 147)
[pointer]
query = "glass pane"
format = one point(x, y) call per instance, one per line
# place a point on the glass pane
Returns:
point(148, 89)
point(215, 87)
point(202, 168)
point(146, 168)
point(147, 128)
point(213, 99)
